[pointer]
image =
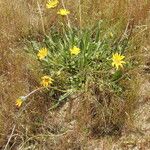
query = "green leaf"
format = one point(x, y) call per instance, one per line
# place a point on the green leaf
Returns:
point(117, 75)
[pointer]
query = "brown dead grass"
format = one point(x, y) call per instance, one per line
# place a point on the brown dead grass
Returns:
point(20, 19)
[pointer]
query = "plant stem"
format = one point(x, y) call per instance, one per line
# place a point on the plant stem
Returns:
point(41, 88)
point(14, 127)
point(42, 21)
point(34, 91)
point(67, 15)
point(80, 15)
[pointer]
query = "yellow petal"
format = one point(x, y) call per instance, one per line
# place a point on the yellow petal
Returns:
point(113, 64)
point(117, 66)
point(123, 62)
point(121, 65)
point(122, 57)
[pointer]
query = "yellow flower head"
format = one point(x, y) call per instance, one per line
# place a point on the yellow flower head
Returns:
point(42, 53)
point(20, 100)
point(46, 81)
point(118, 60)
point(75, 50)
point(111, 35)
point(63, 12)
point(52, 3)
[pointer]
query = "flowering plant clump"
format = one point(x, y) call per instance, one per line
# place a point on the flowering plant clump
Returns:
point(63, 12)
point(94, 60)
point(84, 64)
point(94, 56)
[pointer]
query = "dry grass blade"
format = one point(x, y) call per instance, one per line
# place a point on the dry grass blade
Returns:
point(12, 132)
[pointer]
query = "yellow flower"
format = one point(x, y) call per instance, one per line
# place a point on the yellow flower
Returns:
point(20, 100)
point(118, 60)
point(63, 12)
point(52, 3)
point(111, 35)
point(46, 81)
point(75, 50)
point(42, 53)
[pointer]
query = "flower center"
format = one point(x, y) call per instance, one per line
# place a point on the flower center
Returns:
point(46, 80)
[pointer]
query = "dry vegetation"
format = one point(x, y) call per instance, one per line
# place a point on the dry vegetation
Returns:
point(80, 123)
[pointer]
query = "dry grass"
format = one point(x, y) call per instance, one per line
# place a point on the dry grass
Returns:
point(20, 19)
